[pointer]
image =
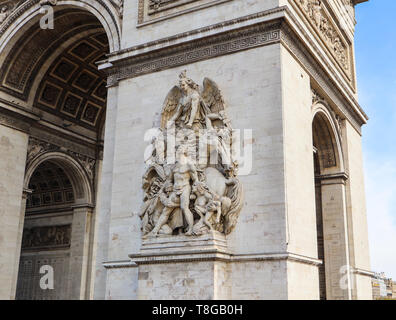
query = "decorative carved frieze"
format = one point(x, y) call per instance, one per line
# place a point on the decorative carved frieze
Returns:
point(22, 6)
point(160, 5)
point(37, 147)
point(50, 237)
point(289, 39)
point(319, 18)
point(198, 50)
point(156, 10)
point(317, 98)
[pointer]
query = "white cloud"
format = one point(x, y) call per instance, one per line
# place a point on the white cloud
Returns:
point(381, 213)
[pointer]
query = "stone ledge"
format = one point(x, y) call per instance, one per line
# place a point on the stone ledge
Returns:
point(363, 272)
point(194, 256)
point(119, 264)
point(210, 247)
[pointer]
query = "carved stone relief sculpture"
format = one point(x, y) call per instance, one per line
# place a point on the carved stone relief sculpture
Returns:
point(46, 237)
point(6, 7)
point(314, 11)
point(194, 190)
point(154, 10)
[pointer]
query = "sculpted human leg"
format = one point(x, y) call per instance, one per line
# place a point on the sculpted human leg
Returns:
point(184, 205)
point(163, 219)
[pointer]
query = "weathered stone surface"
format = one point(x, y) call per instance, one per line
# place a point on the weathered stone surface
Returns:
point(282, 71)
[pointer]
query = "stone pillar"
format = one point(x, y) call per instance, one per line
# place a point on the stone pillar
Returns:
point(79, 251)
point(335, 234)
point(13, 150)
point(19, 237)
point(103, 202)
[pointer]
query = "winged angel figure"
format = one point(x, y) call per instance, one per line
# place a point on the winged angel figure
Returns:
point(188, 196)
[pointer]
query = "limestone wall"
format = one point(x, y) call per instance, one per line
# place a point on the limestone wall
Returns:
point(13, 150)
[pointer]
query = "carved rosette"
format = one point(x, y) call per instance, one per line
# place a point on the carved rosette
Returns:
point(190, 186)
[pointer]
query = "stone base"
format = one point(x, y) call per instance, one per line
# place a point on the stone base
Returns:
point(212, 246)
point(183, 267)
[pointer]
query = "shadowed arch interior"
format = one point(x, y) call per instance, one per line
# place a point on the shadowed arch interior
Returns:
point(57, 69)
point(324, 142)
point(326, 160)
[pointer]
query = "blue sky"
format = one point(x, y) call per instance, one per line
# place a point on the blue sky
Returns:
point(375, 49)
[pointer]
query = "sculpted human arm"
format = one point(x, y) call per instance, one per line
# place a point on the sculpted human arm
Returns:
point(177, 114)
point(195, 100)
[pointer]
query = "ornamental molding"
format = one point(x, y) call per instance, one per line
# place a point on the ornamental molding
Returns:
point(38, 147)
point(256, 35)
point(356, 117)
point(197, 50)
point(16, 8)
point(64, 141)
point(217, 255)
point(119, 5)
point(319, 18)
point(14, 123)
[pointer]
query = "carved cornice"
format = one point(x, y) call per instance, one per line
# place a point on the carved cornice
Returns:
point(256, 35)
point(123, 264)
point(14, 121)
point(201, 49)
point(217, 255)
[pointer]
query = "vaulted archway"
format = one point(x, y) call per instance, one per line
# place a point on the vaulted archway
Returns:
point(330, 200)
point(50, 77)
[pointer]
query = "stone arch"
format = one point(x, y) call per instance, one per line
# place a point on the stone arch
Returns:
point(28, 13)
point(78, 176)
point(327, 139)
point(330, 201)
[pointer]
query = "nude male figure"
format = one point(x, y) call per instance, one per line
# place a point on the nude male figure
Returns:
point(183, 172)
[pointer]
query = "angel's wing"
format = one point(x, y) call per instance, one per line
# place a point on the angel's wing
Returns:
point(170, 104)
point(212, 96)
